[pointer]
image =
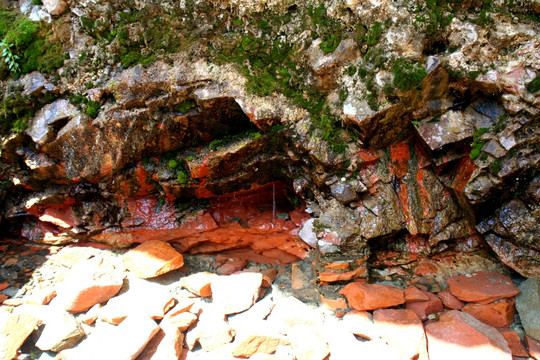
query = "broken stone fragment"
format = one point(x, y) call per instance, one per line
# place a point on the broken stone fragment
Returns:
point(343, 192)
point(42, 126)
point(372, 296)
point(152, 258)
point(497, 314)
point(237, 292)
point(482, 287)
point(55, 7)
point(459, 335)
point(199, 283)
point(89, 282)
point(14, 330)
point(403, 330)
point(62, 331)
point(425, 308)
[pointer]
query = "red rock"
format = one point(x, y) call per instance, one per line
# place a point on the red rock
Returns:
point(360, 323)
point(307, 343)
point(298, 279)
point(334, 304)
point(165, 345)
point(3, 286)
point(372, 296)
point(413, 294)
point(402, 330)
point(13, 333)
point(458, 335)
point(424, 308)
point(330, 276)
point(534, 347)
point(338, 265)
point(153, 258)
point(3, 298)
point(88, 283)
point(450, 301)
point(514, 342)
point(10, 261)
point(237, 292)
point(269, 275)
point(232, 265)
point(497, 314)
point(199, 283)
point(482, 287)
point(260, 342)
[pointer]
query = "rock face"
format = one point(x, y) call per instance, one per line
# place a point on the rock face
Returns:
point(527, 304)
point(386, 125)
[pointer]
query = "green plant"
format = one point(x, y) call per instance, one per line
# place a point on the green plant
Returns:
point(10, 59)
point(186, 105)
point(330, 43)
point(182, 178)
point(407, 75)
point(92, 109)
point(173, 164)
point(477, 145)
point(495, 166)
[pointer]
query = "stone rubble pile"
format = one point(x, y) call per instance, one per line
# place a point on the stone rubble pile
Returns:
point(136, 307)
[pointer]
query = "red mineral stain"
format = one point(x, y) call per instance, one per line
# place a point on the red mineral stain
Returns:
point(400, 156)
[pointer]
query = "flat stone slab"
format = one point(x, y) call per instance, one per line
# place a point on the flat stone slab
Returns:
point(458, 335)
point(482, 287)
point(237, 292)
point(372, 296)
point(153, 258)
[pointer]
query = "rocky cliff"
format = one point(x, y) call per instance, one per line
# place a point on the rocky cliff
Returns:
point(407, 130)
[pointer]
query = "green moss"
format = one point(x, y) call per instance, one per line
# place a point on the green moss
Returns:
point(185, 106)
point(374, 33)
point(92, 109)
point(330, 43)
point(495, 166)
point(33, 42)
point(407, 75)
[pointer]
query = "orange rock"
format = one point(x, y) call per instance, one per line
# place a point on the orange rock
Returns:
point(334, 304)
point(180, 321)
point(88, 283)
point(232, 265)
point(458, 335)
point(199, 283)
point(3, 286)
point(330, 276)
point(482, 287)
point(237, 292)
point(165, 345)
point(413, 294)
point(42, 296)
point(3, 298)
point(153, 258)
point(259, 343)
point(402, 330)
point(10, 261)
point(298, 279)
point(514, 342)
point(497, 314)
point(341, 265)
point(425, 308)
point(372, 296)
point(13, 333)
point(450, 301)
point(269, 275)
point(534, 347)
